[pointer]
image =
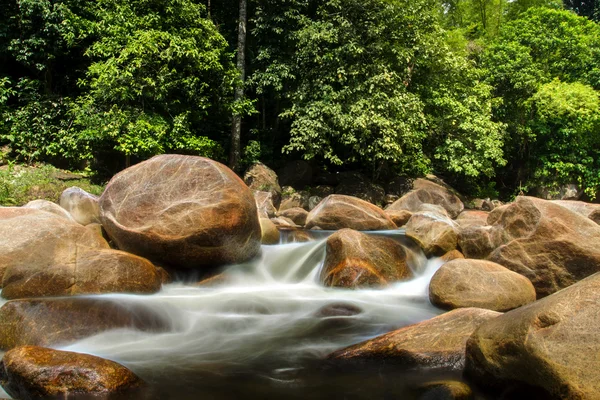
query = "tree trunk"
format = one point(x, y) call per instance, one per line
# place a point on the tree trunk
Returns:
point(234, 154)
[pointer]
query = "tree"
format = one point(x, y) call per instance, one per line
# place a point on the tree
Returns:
point(235, 151)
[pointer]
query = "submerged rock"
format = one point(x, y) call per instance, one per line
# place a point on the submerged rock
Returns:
point(445, 390)
point(51, 322)
point(355, 259)
point(339, 211)
point(478, 283)
point(435, 343)
point(551, 344)
point(183, 211)
point(83, 206)
point(35, 373)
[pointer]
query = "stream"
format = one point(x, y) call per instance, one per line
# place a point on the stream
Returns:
point(263, 333)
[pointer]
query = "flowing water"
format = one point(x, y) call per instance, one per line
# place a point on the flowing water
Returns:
point(264, 331)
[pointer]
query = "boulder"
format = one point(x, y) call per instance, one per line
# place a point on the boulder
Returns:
point(48, 206)
point(313, 201)
point(339, 211)
point(482, 204)
point(399, 217)
point(284, 222)
point(81, 271)
point(569, 191)
point(264, 204)
point(436, 343)
point(425, 191)
point(452, 255)
point(436, 234)
point(293, 199)
point(183, 211)
point(296, 214)
point(296, 236)
point(478, 283)
point(39, 239)
point(580, 207)
point(479, 242)
point(549, 244)
point(359, 186)
point(83, 206)
point(270, 233)
point(595, 216)
point(298, 174)
point(261, 178)
point(60, 321)
point(472, 218)
point(433, 208)
point(354, 259)
point(551, 344)
point(31, 372)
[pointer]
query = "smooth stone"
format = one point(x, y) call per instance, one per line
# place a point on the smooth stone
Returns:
point(83, 206)
point(339, 211)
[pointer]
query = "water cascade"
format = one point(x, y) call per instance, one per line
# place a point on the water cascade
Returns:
point(265, 328)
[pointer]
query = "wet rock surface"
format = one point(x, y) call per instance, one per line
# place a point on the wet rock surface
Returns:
point(36, 373)
point(339, 211)
point(184, 211)
point(435, 343)
point(481, 284)
point(51, 322)
point(356, 260)
point(550, 345)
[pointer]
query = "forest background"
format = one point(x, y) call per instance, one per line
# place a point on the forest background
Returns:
point(496, 96)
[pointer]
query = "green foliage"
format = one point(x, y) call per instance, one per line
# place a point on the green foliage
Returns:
point(19, 185)
point(566, 124)
point(532, 51)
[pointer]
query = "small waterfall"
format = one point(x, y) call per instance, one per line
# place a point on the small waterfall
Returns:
point(271, 311)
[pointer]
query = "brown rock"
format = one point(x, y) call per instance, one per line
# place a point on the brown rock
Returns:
point(296, 236)
point(293, 199)
point(551, 344)
point(270, 233)
point(259, 177)
point(82, 205)
point(39, 239)
point(82, 271)
point(31, 372)
point(356, 260)
point(481, 284)
point(580, 207)
point(435, 234)
point(551, 245)
point(436, 343)
point(445, 390)
point(264, 204)
point(283, 222)
point(183, 211)
point(296, 214)
point(339, 211)
point(480, 241)
point(452, 255)
point(425, 191)
point(52, 322)
point(45, 205)
point(482, 204)
point(472, 218)
point(399, 217)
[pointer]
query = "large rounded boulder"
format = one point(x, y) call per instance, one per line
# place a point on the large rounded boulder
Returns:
point(339, 211)
point(435, 233)
point(551, 344)
point(182, 211)
point(478, 283)
point(427, 192)
point(355, 259)
point(32, 373)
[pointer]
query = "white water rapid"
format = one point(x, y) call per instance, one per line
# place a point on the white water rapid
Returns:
point(270, 316)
